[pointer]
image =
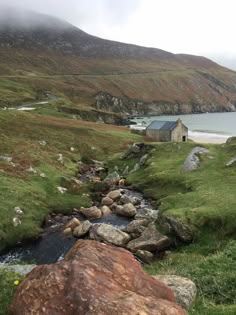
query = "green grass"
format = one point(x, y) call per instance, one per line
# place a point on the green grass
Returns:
point(7, 289)
point(202, 198)
point(205, 200)
point(20, 134)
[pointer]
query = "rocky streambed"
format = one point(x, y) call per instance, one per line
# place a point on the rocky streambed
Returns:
point(55, 241)
point(119, 216)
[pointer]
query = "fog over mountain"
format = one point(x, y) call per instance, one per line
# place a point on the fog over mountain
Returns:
point(179, 27)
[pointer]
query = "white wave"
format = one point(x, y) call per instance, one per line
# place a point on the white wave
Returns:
point(207, 135)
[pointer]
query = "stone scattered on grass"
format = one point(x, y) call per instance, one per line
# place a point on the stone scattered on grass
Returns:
point(16, 221)
point(62, 190)
point(43, 142)
point(31, 170)
point(184, 289)
point(231, 162)
point(192, 161)
point(18, 211)
point(6, 158)
point(60, 158)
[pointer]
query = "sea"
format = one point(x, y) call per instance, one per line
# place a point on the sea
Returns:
point(209, 125)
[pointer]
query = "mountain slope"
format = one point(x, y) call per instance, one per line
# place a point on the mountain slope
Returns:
point(40, 54)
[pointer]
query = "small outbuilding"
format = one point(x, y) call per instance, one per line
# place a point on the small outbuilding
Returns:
point(166, 131)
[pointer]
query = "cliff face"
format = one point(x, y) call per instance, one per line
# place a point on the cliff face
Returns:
point(40, 53)
point(126, 106)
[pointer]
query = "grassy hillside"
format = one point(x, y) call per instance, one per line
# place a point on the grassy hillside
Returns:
point(58, 58)
point(205, 200)
point(21, 135)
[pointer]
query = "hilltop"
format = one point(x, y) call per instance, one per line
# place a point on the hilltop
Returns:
point(40, 54)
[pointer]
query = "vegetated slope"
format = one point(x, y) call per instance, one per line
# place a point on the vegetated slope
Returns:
point(205, 200)
point(34, 141)
point(40, 53)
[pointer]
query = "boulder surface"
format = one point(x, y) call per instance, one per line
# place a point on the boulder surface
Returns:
point(93, 279)
point(184, 289)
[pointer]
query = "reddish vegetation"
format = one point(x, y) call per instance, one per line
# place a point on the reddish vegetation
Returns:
point(94, 279)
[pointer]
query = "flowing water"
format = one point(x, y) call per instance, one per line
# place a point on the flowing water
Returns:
point(53, 244)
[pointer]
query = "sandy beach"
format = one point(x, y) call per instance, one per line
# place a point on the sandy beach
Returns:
point(201, 137)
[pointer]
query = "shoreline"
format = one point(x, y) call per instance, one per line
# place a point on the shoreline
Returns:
point(202, 137)
point(196, 136)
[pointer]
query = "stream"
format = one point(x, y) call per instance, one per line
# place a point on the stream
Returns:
point(53, 244)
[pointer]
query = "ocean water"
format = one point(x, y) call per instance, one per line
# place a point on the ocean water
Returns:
point(208, 124)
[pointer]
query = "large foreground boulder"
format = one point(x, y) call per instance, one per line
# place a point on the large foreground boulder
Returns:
point(93, 279)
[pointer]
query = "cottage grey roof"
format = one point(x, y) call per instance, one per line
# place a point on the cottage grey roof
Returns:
point(162, 125)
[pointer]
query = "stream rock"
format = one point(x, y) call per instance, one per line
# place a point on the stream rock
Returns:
point(184, 289)
point(91, 213)
point(106, 201)
point(109, 234)
point(175, 228)
point(150, 240)
point(127, 210)
point(147, 214)
point(114, 195)
point(93, 279)
point(82, 229)
point(72, 224)
point(105, 210)
point(112, 178)
point(125, 199)
point(136, 227)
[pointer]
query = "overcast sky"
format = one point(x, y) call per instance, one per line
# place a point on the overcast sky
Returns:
point(199, 27)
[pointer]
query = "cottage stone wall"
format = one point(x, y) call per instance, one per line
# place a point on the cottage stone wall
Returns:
point(180, 133)
point(159, 135)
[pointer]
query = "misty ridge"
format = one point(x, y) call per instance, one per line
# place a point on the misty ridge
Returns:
point(15, 18)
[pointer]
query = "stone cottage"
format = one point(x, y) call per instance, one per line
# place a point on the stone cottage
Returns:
point(166, 131)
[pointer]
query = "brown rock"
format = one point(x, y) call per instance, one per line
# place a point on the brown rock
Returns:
point(136, 227)
point(73, 223)
point(127, 210)
point(93, 279)
point(114, 195)
point(109, 234)
point(91, 213)
point(105, 210)
point(67, 231)
point(184, 289)
point(125, 199)
point(144, 255)
point(150, 240)
point(82, 229)
point(106, 201)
